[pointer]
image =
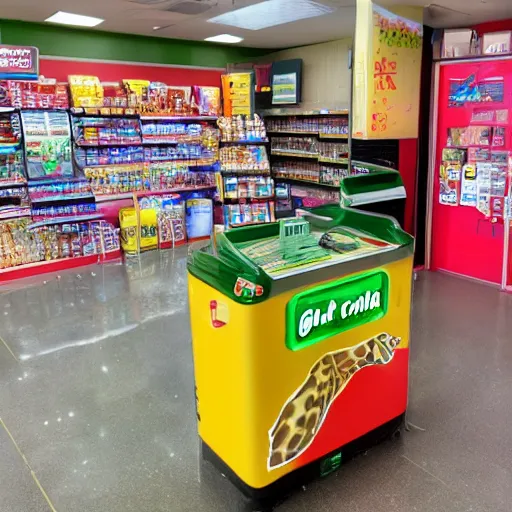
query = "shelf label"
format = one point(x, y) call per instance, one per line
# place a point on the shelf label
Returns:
point(327, 310)
point(19, 61)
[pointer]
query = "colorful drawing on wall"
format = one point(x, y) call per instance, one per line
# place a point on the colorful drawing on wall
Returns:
point(469, 90)
point(305, 411)
point(387, 71)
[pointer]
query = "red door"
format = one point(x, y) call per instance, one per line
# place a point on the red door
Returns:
point(464, 240)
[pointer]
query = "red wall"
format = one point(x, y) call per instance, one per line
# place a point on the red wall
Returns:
point(494, 26)
point(114, 72)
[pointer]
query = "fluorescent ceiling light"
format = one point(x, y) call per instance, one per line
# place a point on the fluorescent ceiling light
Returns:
point(272, 13)
point(224, 38)
point(67, 18)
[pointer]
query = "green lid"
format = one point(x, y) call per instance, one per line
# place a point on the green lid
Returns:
point(224, 264)
point(372, 188)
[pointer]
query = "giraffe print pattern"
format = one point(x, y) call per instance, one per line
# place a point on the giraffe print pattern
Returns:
point(305, 411)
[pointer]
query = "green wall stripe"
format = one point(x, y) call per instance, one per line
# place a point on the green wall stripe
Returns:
point(94, 44)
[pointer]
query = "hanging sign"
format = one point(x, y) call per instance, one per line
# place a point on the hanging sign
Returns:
point(387, 73)
point(19, 62)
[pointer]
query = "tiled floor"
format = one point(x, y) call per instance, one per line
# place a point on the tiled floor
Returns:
point(96, 390)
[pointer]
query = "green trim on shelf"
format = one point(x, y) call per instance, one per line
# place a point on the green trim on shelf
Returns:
point(94, 44)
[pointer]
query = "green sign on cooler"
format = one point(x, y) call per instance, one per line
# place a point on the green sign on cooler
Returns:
point(336, 307)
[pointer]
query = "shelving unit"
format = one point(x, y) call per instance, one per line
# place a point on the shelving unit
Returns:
point(309, 156)
point(245, 187)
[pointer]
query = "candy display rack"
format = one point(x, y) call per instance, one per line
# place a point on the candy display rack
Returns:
point(246, 189)
point(13, 191)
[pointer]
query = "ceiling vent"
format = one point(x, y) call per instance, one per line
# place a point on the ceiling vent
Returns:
point(192, 7)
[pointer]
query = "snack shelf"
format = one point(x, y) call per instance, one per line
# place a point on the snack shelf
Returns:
point(340, 136)
point(6, 215)
point(41, 267)
point(104, 198)
point(97, 112)
point(82, 144)
point(56, 179)
point(246, 172)
point(341, 161)
point(190, 163)
point(292, 112)
point(249, 199)
point(161, 141)
point(147, 117)
point(132, 166)
point(309, 182)
point(291, 132)
point(309, 156)
point(65, 220)
point(244, 142)
point(56, 198)
point(145, 193)
point(12, 184)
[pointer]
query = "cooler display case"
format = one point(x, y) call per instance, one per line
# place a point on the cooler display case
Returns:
point(296, 325)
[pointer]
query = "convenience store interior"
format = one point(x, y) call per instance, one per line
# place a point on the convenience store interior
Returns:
point(97, 398)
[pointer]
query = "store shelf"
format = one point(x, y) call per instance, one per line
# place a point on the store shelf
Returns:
point(80, 112)
point(290, 132)
point(113, 197)
point(246, 172)
point(132, 166)
point(190, 163)
point(15, 214)
point(157, 142)
point(146, 193)
point(68, 197)
point(309, 156)
point(235, 200)
point(243, 142)
point(65, 220)
point(308, 182)
point(107, 145)
point(292, 112)
point(55, 179)
point(42, 267)
point(177, 118)
point(12, 184)
point(337, 136)
point(341, 161)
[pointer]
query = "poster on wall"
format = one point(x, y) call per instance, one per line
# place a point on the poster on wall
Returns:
point(284, 89)
point(387, 74)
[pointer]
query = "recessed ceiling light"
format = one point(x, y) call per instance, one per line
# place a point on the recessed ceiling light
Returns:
point(67, 18)
point(272, 13)
point(225, 38)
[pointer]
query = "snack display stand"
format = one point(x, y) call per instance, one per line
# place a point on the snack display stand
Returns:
point(295, 325)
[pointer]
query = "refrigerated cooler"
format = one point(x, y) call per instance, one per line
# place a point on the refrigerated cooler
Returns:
point(296, 326)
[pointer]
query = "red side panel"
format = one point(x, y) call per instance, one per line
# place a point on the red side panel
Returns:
point(408, 167)
point(463, 240)
point(365, 404)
